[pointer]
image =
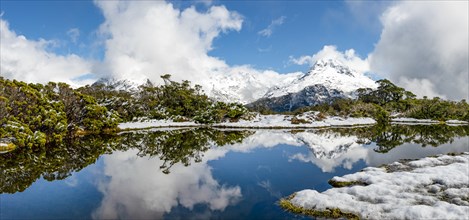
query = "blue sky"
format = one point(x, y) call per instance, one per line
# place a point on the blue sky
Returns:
point(51, 20)
point(409, 42)
point(307, 26)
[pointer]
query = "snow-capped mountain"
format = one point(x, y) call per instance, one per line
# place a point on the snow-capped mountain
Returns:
point(331, 76)
point(328, 72)
point(309, 96)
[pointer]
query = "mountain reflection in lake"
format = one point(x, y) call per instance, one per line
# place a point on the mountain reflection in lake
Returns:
point(201, 173)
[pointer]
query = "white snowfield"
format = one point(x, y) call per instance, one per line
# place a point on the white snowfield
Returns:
point(425, 121)
point(260, 121)
point(429, 188)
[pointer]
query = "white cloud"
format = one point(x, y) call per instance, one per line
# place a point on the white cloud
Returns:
point(420, 87)
point(74, 34)
point(136, 187)
point(147, 39)
point(424, 47)
point(29, 60)
point(270, 29)
point(347, 57)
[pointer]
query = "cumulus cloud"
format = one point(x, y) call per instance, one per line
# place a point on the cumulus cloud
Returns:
point(348, 57)
point(424, 48)
point(30, 61)
point(420, 87)
point(270, 29)
point(147, 39)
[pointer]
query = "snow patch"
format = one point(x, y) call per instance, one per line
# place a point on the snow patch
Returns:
point(284, 121)
point(429, 188)
point(456, 122)
point(156, 124)
point(414, 120)
point(260, 121)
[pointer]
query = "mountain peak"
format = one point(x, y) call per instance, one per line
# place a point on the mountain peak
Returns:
point(328, 62)
point(331, 73)
point(331, 65)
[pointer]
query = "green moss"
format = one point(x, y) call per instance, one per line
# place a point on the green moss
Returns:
point(345, 183)
point(285, 203)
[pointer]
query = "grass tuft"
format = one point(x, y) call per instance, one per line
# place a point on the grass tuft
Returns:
point(335, 213)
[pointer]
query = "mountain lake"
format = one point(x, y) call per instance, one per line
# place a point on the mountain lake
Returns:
point(202, 173)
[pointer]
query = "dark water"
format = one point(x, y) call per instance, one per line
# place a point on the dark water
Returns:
point(201, 173)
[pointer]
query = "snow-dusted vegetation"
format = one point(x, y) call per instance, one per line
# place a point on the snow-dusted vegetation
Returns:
point(34, 115)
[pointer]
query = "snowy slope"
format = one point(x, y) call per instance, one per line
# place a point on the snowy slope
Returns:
point(247, 87)
point(308, 96)
point(330, 73)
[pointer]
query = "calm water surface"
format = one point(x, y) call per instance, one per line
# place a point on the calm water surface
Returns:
point(201, 173)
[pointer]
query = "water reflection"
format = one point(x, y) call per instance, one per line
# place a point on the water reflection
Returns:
point(149, 192)
point(135, 187)
point(23, 166)
point(343, 147)
point(158, 173)
point(329, 149)
point(183, 146)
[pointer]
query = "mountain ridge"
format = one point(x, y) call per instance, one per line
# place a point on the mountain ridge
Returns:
point(327, 79)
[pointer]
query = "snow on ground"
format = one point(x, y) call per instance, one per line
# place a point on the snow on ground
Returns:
point(310, 119)
point(260, 121)
point(426, 121)
point(284, 121)
point(413, 120)
point(456, 122)
point(155, 124)
point(429, 188)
